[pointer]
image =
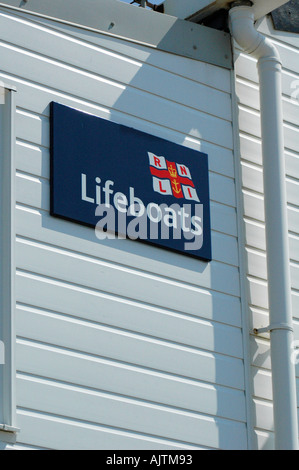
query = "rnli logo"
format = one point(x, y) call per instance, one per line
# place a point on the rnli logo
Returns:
point(170, 178)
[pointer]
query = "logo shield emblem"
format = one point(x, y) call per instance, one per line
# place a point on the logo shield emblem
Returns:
point(170, 178)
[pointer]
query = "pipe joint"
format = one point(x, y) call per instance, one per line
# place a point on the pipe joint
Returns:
point(251, 41)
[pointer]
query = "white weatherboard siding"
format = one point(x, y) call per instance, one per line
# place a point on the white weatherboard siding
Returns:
point(252, 181)
point(119, 344)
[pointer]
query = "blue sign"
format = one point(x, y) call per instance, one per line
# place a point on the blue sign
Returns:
point(128, 184)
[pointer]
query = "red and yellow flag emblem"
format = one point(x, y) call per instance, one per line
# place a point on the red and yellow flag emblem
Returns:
point(170, 178)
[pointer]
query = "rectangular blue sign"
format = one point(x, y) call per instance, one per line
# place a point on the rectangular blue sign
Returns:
point(129, 184)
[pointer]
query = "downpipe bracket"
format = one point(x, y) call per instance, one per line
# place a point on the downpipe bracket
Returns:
point(8, 428)
point(273, 327)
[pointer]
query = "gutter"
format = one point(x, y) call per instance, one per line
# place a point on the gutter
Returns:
point(279, 285)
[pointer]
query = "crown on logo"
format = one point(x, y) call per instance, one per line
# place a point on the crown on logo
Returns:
point(172, 172)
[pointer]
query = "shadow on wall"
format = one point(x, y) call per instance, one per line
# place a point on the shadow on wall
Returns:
point(188, 103)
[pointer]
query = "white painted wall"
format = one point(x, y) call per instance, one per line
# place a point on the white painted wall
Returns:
point(251, 163)
point(122, 345)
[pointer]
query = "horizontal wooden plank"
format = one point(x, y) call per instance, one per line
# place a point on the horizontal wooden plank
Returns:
point(246, 67)
point(110, 376)
point(263, 415)
point(264, 440)
point(248, 93)
point(254, 209)
point(257, 267)
point(223, 218)
point(291, 137)
point(260, 350)
point(251, 148)
point(135, 74)
point(130, 348)
point(121, 312)
point(292, 189)
point(104, 409)
point(255, 234)
point(259, 318)
point(182, 66)
point(207, 336)
point(132, 316)
point(294, 270)
point(36, 99)
point(288, 54)
point(262, 383)
point(32, 159)
point(249, 122)
point(39, 225)
point(258, 295)
point(33, 128)
point(98, 273)
point(36, 130)
point(292, 164)
point(266, 27)
point(255, 238)
point(248, 96)
point(58, 433)
point(33, 191)
point(293, 221)
point(256, 263)
point(253, 205)
point(251, 151)
point(252, 179)
point(4, 446)
point(114, 95)
point(222, 189)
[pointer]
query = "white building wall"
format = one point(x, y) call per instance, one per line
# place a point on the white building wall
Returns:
point(119, 344)
point(252, 182)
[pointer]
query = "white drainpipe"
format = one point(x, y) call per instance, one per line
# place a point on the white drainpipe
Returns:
point(281, 329)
